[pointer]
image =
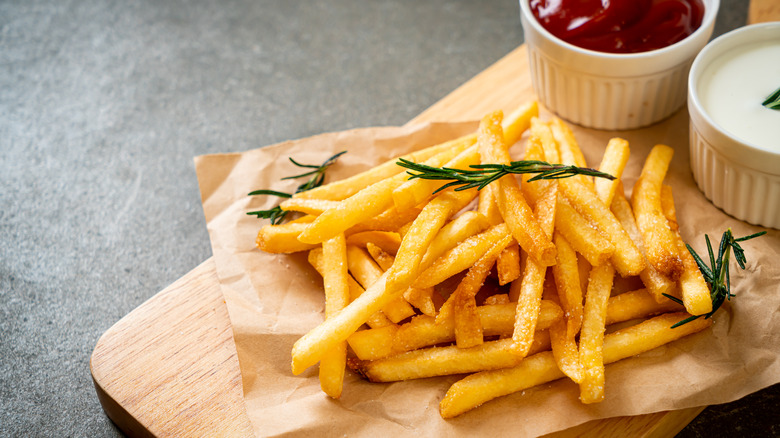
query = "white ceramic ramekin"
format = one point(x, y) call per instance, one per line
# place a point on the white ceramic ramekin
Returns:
point(741, 178)
point(608, 90)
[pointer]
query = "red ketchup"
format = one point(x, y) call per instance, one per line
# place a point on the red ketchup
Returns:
point(619, 26)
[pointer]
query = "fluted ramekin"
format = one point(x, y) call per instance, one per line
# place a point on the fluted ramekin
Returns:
point(738, 176)
point(611, 91)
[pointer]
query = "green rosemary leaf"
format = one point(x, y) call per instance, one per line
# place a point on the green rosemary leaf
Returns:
point(773, 100)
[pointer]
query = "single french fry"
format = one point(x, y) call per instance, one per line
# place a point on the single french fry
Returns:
point(335, 279)
point(497, 299)
point(654, 281)
point(694, 291)
point(532, 283)
point(567, 280)
point(613, 162)
point(592, 333)
point(364, 204)
point(308, 206)
point(659, 241)
point(367, 272)
point(375, 343)
point(636, 304)
point(390, 220)
point(565, 352)
point(511, 203)
point(518, 121)
point(581, 235)
point(462, 256)
point(476, 389)
point(457, 230)
point(423, 231)
point(443, 361)
point(415, 191)
point(388, 241)
point(569, 149)
point(283, 238)
point(343, 189)
point(627, 259)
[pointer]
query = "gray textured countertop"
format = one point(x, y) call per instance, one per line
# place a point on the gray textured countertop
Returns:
point(103, 105)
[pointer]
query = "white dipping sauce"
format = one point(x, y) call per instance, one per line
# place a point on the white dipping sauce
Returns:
point(733, 88)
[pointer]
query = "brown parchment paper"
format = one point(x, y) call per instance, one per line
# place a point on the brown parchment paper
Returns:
point(274, 299)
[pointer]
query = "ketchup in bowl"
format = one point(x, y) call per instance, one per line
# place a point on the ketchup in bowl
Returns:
point(619, 26)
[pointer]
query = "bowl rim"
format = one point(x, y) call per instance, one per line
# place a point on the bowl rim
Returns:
point(741, 151)
point(710, 13)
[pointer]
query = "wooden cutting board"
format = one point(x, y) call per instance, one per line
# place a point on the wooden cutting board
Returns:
point(169, 368)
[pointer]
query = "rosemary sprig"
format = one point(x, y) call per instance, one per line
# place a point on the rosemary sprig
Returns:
point(480, 175)
point(276, 214)
point(773, 100)
point(717, 274)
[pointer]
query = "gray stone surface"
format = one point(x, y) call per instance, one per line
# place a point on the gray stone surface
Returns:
point(103, 105)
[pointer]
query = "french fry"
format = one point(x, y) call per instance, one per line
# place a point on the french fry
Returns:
point(508, 263)
point(460, 257)
point(389, 220)
point(511, 203)
point(627, 259)
point(654, 281)
point(693, 289)
point(636, 304)
point(540, 368)
point(659, 241)
point(613, 162)
point(419, 298)
point(308, 206)
point(364, 204)
point(283, 238)
point(567, 280)
point(581, 235)
point(569, 149)
point(334, 278)
point(423, 331)
point(343, 189)
point(388, 241)
point(518, 121)
point(531, 286)
point(443, 361)
point(592, 334)
point(457, 230)
point(367, 272)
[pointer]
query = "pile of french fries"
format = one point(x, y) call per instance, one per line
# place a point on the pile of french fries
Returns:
point(514, 284)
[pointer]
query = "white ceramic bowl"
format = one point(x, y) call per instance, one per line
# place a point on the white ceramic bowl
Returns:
point(737, 175)
point(609, 90)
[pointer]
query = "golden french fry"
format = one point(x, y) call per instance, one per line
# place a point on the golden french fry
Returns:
point(497, 299)
point(423, 331)
point(283, 238)
point(636, 304)
point(443, 361)
point(567, 280)
point(336, 284)
point(508, 263)
point(592, 333)
point(511, 203)
point(627, 259)
point(659, 241)
point(694, 291)
point(532, 282)
point(457, 230)
point(367, 272)
point(569, 149)
point(308, 206)
point(462, 256)
point(653, 280)
point(613, 162)
point(419, 298)
point(518, 122)
point(388, 241)
point(481, 387)
point(389, 220)
point(343, 189)
point(581, 235)
point(565, 352)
